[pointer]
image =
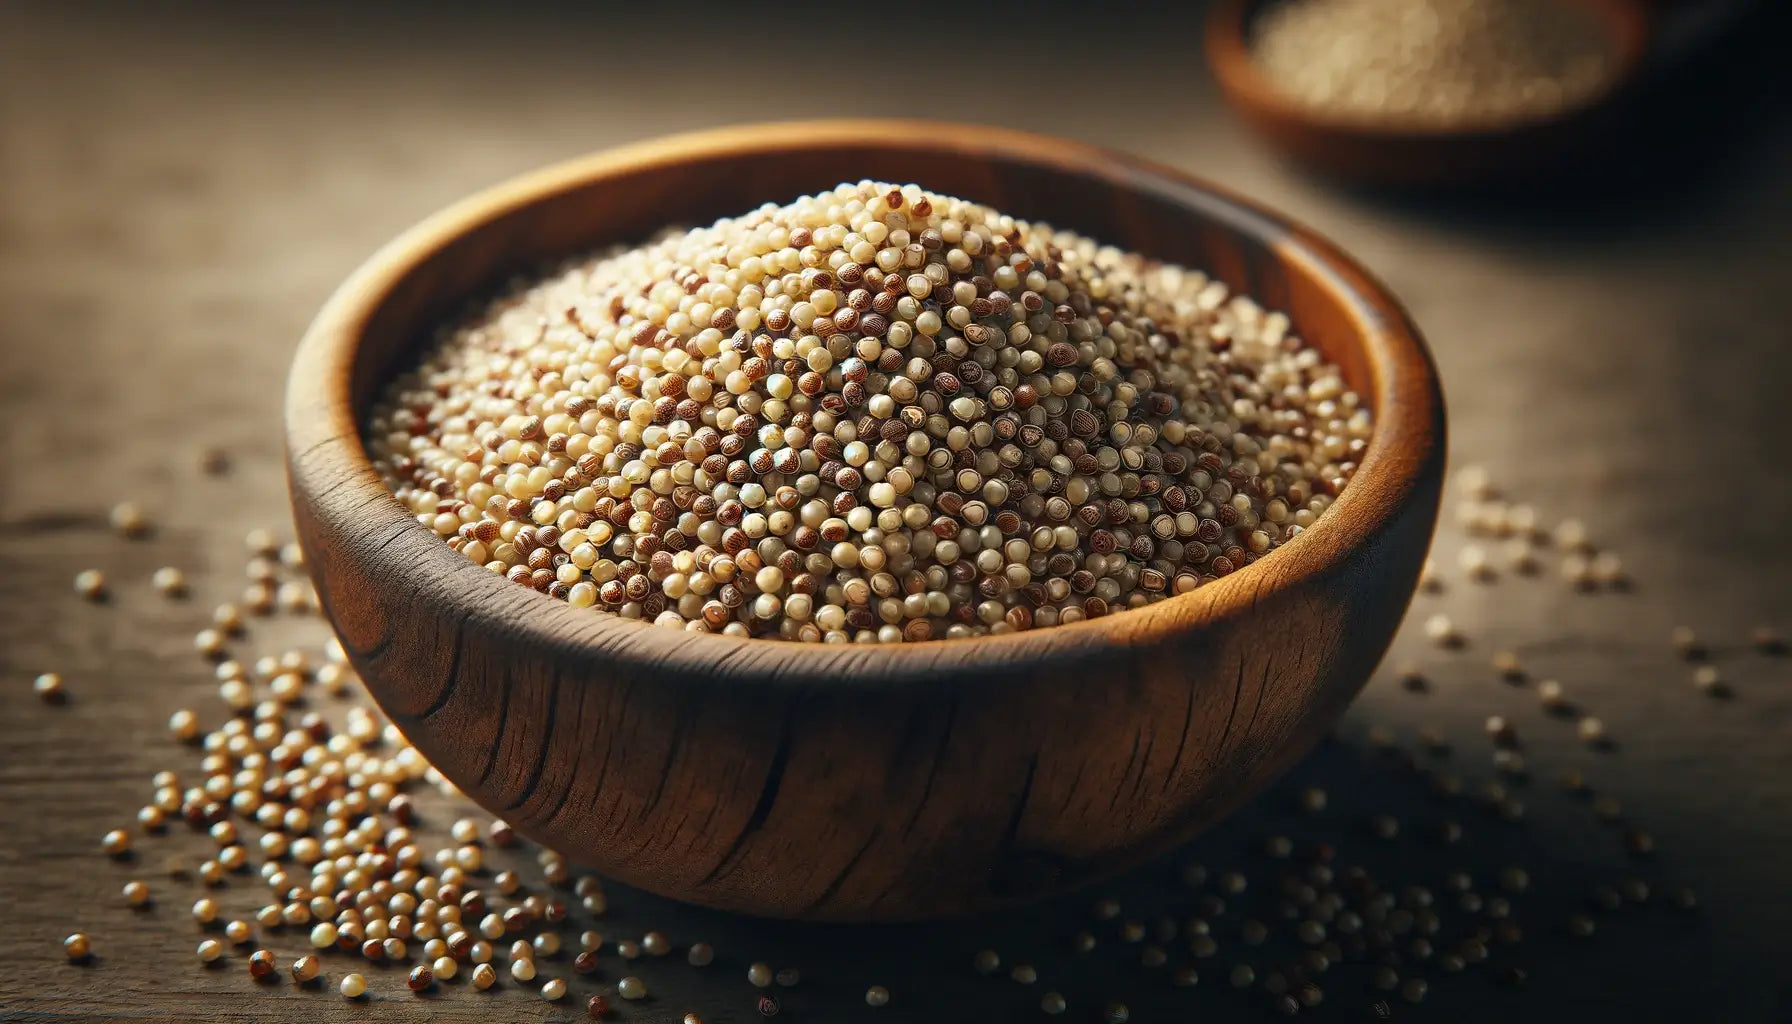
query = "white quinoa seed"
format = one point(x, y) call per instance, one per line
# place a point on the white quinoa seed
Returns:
point(1442, 631)
point(170, 581)
point(128, 519)
point(1551, 695)
point(91, 584)
point(1707, 679)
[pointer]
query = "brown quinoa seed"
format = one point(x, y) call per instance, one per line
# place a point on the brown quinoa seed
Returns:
point(261, 964)
point(77, 947)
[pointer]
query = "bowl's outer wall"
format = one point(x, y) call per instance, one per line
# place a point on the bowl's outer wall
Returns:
point(960, 781)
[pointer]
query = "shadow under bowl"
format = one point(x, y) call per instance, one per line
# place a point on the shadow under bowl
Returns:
point(853, 782)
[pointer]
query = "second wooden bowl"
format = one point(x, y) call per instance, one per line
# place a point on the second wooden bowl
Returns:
point(1385, 151)
point(859, 782)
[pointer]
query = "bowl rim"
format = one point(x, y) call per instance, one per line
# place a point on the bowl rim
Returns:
point(1226, 38)
point(323, 427)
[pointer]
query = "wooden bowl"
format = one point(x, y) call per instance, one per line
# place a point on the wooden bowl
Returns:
point(859, 782)
point(1384, 151)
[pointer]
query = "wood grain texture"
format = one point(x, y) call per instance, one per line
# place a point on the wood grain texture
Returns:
point(1382, 152)
point(860, 783)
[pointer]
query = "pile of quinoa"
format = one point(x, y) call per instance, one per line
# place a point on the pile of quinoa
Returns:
point(1442, 62)
point(876, 414)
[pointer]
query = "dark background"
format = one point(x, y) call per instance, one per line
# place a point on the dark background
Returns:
point(181, 186)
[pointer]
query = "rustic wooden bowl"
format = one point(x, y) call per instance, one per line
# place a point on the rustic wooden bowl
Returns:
point(859, 782)
point(1380, 151)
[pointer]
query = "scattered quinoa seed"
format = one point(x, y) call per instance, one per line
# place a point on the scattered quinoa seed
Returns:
point(1475, 563)
point(631, 988)
point(1442, 631)
point(1412, 678)
point(1551, 695)
point(1474, 482)
point(877, 995)
point(128, 519)
point(1521, 557)
point(1607, 569)
point(261, 964)
point(1709, 680)
point(1687, 643)
point(1571, 535)
point(91, 584)
point(170, 581)
point(1577, 572)
point(1507, 664)
point(48, 687)
point(1591, 731)
point(77, 947)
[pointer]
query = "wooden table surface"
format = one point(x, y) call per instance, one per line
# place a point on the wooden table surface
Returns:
point(180, 190)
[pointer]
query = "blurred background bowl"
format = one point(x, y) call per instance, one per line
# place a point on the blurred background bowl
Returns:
point(1378, 150)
